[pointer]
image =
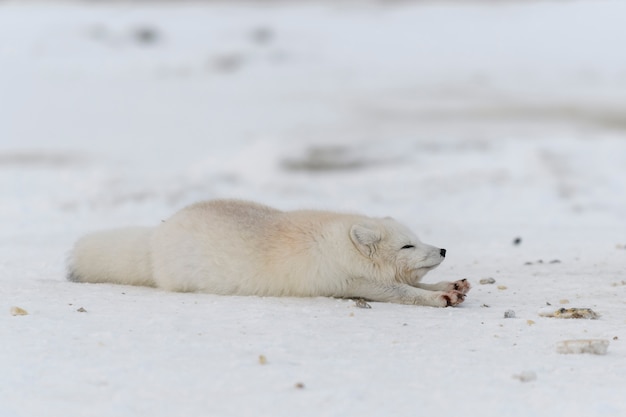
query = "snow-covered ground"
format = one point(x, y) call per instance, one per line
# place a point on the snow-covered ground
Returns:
point(473, 123)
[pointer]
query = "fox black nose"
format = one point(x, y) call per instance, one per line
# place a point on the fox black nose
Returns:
point(442, 252)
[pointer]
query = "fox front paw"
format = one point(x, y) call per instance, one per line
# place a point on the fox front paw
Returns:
point(451, 298)
point(463, 286)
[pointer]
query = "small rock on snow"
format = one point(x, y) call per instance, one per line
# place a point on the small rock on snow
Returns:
point(569, 313)
point(593, 346)
point(18, 311)
point(526, 376)
point(361, 303)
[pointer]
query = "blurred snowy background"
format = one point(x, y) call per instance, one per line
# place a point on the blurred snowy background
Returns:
point(475, 123)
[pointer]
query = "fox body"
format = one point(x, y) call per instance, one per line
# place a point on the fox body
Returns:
point(233, 247)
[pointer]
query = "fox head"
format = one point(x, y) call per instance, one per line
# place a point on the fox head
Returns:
point(394, 250)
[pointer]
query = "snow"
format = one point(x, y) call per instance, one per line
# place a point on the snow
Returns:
point(473, 123)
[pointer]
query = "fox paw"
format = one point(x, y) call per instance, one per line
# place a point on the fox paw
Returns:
point(451, 298)
point(463, 286)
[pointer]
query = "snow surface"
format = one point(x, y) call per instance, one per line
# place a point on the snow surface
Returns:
point(473, 123)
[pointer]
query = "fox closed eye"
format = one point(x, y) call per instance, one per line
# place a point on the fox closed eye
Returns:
point(407, 247)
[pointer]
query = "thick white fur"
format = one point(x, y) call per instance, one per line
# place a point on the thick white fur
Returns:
point(235, 247)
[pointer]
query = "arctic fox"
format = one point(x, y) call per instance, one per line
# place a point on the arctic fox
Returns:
point(234, 247)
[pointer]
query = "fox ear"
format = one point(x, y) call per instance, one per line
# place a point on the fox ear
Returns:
point(365, 237)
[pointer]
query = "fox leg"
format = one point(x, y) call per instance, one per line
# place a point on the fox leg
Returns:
point(404, 294)
point(462, 286)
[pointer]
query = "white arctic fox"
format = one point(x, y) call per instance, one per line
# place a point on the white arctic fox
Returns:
point(235, 247)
